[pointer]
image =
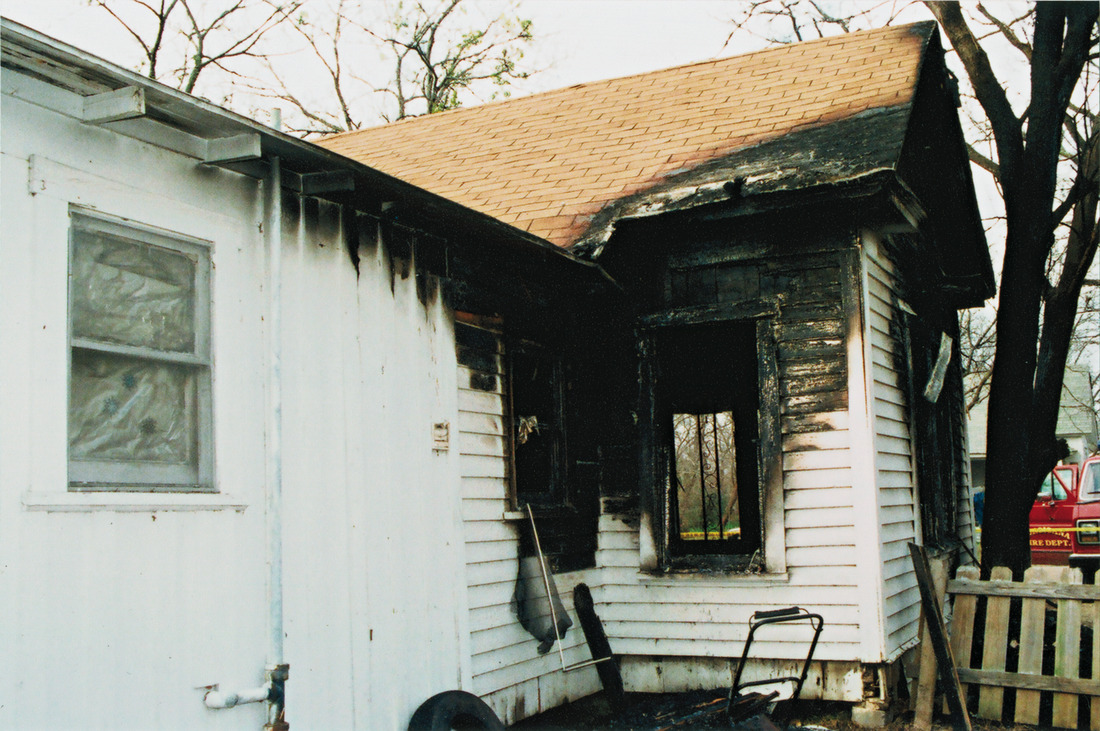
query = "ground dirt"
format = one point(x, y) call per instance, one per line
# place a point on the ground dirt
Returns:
point(706, 710)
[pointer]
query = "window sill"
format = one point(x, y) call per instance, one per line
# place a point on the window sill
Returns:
point(689, 578)
point(129, 502)
point(514, 515)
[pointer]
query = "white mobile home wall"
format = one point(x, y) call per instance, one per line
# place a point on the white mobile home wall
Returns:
point(117, 607)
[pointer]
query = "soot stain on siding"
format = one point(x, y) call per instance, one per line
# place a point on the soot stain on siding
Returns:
point(483, 382)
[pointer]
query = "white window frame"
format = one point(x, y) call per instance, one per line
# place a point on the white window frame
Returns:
point(113, 476)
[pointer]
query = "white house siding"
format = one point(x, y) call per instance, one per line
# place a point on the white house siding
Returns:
point(894, 464)
point(118, 607)
point(507, 670)
point(660, 618)
point(115, 607)
point(373, 551)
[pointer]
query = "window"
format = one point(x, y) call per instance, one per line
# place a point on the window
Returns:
point(518, 389)
point(1053, 487)
point(538, 436)
point(139, 379)
point(708, 419)
point(528, 377)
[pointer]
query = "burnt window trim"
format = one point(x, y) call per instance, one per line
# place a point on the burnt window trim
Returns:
point(559, 467)
point(654, 482)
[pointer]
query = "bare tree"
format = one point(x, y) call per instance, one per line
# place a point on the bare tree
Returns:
point(195, 39)
point(434, 62)
point(437, 55)
point(1034, 318)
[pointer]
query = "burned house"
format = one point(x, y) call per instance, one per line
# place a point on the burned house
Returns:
point(271, 403)
point(765, 408)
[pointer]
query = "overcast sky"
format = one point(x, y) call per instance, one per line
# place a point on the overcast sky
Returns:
point(577, 40)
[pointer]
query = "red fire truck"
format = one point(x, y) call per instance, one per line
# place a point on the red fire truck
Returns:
point(1065, 519)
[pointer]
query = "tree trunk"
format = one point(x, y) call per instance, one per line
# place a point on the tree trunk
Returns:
point(1010, 489)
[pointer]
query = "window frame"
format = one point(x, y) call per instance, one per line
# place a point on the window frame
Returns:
point(558, 493)
point(507, 344)
point(659, 554)
point(85, 475)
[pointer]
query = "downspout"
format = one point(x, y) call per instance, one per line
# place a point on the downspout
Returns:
point(276, 669)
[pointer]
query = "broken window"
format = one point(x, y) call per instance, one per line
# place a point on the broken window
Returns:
point(139, 380)
point(538, 437)
point(522, 383)
point(707, 401)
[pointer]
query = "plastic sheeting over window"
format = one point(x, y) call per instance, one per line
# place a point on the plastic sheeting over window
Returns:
point(132, 294)
point(139, 387)
point(129, 409)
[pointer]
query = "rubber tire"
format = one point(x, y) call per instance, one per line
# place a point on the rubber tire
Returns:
point(442, 711)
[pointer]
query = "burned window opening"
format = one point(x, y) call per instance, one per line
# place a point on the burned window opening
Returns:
point(530, 380)
point(538, 434)
point(707, 399)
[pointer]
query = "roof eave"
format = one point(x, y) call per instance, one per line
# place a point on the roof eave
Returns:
point(194, 127)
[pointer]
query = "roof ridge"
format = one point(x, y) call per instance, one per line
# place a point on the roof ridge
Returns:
point(918, 27)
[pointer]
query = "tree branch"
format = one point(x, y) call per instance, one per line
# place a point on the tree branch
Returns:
point(987, 88)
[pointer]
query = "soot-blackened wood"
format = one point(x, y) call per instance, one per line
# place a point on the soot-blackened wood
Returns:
point(600, 648)
point(938, 635)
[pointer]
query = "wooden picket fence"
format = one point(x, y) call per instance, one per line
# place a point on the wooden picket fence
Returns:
point(1025, 622)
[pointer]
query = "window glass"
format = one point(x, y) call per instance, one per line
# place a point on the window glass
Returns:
point(1052, 487)
point(1090, 480)
point(129, 409)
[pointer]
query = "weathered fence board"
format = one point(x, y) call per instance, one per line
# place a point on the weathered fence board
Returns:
point(1032, 618)
point(962, 622)
point(1067, 652)
point(1074, 606)
point(994, 647)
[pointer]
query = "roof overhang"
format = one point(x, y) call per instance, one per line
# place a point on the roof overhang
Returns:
point(100, 93)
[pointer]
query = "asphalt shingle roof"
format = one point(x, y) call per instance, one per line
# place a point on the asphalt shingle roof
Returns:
point(549, 163)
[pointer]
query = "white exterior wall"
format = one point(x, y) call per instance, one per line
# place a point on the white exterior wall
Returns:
point(507, 670)
point(895, 466)
point(116, 606)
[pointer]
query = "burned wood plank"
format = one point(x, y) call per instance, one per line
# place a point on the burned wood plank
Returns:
point(815, 384)
point(938, 634)
point(710, 313)
point(814, 402)
point(600, 648)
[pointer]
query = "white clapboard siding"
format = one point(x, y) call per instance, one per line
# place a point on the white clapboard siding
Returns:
point(144, 602)
point(894, 468)
point(706, 616)
point(506, 668)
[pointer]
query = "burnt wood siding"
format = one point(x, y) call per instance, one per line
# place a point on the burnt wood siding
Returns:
point(506, 667)
point(680, 614)
point(893, 450)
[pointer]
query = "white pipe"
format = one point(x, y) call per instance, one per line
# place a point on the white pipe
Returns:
point(274, 229)
point(215, 698)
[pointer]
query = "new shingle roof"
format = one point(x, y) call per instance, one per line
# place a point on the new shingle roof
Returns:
point(550, 162)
